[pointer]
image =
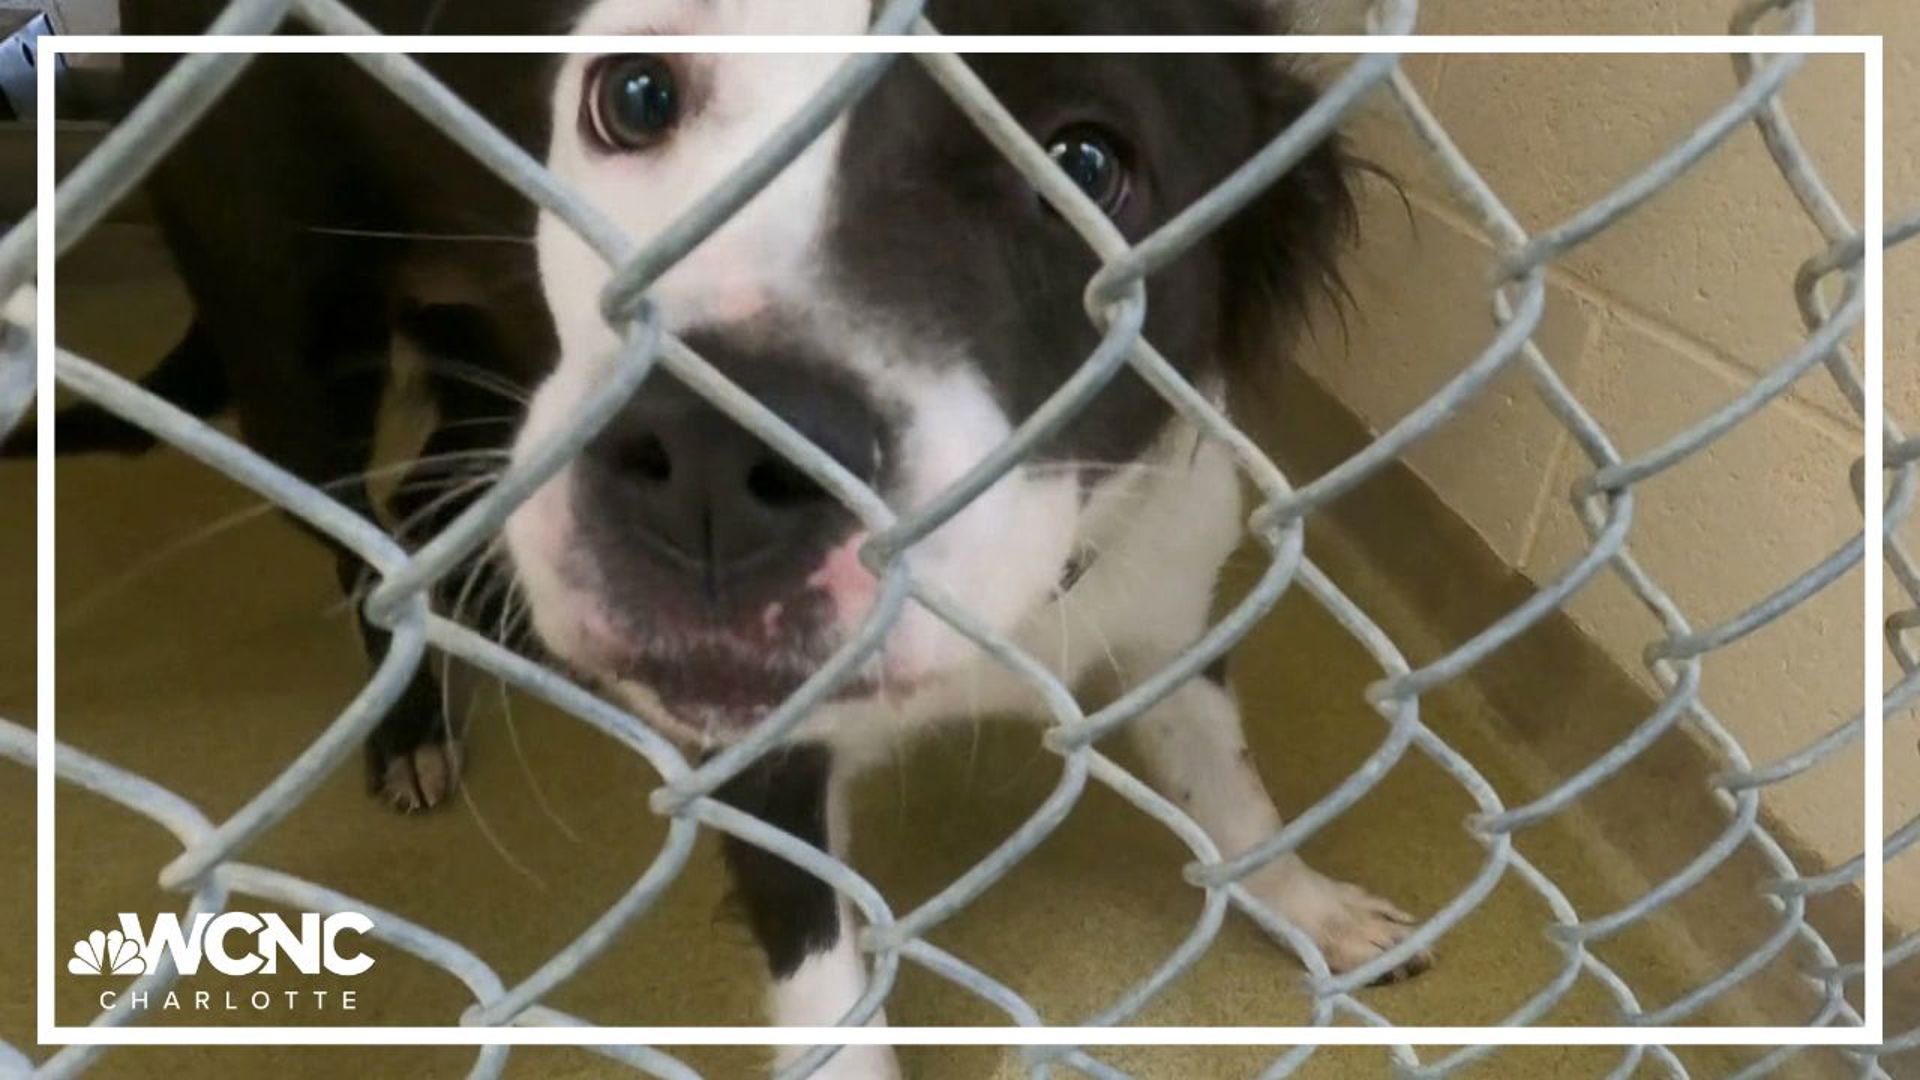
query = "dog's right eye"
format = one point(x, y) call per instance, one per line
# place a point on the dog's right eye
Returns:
point(1091, 157)
point(631, 102)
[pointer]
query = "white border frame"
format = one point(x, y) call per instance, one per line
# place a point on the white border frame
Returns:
point(1868, 47)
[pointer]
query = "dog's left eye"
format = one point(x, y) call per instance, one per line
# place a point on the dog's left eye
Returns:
point(1091, 158)
point(632, 102)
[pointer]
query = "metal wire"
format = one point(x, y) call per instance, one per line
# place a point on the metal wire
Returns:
point(208, 870)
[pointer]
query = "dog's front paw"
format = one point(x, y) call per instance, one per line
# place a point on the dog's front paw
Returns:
point(1350, 924)
point(413, 760)
point(416, 778)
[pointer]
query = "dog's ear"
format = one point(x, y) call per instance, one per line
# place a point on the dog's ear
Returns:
point(1282, 249)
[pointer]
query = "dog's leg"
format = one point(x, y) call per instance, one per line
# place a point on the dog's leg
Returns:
point(313, 406)
point(804, 927)
point(429, 779)
point(416, 755)
point(1198, 757)
point(307, 367)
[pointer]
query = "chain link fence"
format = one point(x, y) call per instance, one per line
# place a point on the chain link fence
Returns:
point(1829, 289)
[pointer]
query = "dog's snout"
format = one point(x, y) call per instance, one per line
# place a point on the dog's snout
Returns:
point(674, 480)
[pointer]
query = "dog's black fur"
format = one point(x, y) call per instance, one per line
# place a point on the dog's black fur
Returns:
point(302, 212)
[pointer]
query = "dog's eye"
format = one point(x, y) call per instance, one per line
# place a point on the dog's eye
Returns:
point(1091, 159)
point(632, 101)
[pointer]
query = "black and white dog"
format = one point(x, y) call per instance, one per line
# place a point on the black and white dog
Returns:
point(899, 295)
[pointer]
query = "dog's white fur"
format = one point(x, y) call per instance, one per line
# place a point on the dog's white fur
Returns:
point(1161, 529)
point(757, 265)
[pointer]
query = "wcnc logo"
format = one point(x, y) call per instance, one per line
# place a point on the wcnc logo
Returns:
point(235, 943)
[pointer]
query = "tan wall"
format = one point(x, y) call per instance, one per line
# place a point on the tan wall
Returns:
point(1653, 324)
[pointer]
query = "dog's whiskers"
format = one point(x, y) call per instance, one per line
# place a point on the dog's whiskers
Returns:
point(76, 612)
point(1064, 597)
point(478, 421)
point(451, 739)
point(455, 485)
point(407, 234)
point(510, 591)
point(492, 838)
point(454, 488)
point(479, 378)
point(974, 726)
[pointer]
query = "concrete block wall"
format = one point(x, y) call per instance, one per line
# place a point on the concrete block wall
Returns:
point(1654, 324)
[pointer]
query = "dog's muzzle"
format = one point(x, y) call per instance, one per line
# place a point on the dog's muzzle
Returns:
point(719, 559)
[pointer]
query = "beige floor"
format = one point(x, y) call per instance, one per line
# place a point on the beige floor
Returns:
point(207, 668)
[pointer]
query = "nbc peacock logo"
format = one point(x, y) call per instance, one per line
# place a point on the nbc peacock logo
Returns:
point(106, 952)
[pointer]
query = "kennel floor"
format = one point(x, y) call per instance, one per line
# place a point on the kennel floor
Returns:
point(205, 660)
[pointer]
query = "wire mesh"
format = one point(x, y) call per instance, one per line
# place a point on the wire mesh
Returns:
point(210, 872)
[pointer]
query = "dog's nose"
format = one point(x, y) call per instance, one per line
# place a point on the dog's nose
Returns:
point(705, 497)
